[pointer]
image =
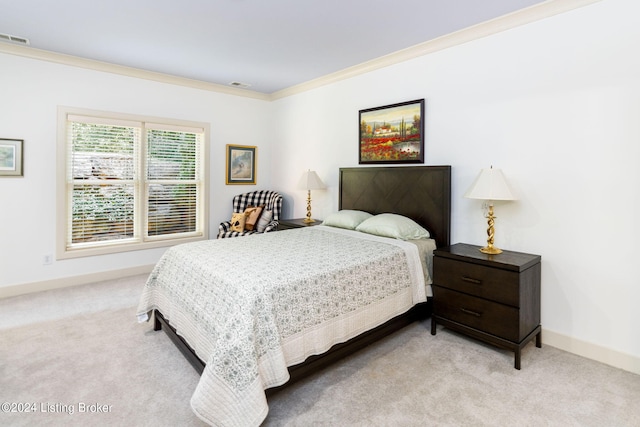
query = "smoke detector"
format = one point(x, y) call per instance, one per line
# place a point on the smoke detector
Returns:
point(14, 39)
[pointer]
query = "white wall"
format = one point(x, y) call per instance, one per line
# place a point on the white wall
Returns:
point(556, 105)
point(30, 92)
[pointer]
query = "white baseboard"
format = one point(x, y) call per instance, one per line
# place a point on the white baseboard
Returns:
point(592, 351)
point(27, 288)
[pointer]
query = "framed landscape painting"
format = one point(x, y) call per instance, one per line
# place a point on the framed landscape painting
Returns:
point(392, 133)
point(11, 157)
point(241, 164)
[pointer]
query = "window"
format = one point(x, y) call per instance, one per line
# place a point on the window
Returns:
point(129, 182)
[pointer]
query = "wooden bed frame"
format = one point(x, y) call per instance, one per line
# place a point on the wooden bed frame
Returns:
point(422, 193)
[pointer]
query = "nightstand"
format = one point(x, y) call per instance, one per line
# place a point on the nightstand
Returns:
point(286, 224)
point(493, 298)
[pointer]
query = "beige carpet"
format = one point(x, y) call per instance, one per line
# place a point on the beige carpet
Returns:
point(80, 349)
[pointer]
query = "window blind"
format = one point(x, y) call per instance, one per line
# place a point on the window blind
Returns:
point(173, 181)
point(130, 181)
point(101, 172)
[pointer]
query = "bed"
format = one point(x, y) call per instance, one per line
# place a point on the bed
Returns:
point(258, 313)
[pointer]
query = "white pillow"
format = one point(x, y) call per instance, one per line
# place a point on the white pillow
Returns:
point(264, 220)
point(346, 218)
point(393, 225)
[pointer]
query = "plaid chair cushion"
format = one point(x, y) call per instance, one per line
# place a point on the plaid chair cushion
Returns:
point(269, 199)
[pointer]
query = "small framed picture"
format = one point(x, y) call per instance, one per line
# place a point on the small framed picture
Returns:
point(392, 133)
point(11, 157)
point(241, 164)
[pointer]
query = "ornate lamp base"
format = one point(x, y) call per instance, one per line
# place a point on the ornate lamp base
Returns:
point(308, 219)
point(490, 249)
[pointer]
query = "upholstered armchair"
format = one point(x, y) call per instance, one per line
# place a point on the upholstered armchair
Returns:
point(267, 220)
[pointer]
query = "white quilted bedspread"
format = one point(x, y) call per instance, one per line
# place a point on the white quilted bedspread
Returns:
point(254, 305)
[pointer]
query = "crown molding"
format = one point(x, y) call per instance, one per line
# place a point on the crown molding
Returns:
point(515, 19)
point(106, 67)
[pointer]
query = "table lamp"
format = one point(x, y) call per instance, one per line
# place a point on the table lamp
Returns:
point(490, 185)
point(310, 181)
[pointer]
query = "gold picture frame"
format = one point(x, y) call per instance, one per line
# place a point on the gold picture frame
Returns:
point(11, 160)
point(241, 164)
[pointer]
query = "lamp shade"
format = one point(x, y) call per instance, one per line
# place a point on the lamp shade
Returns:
point(490, 185)
point(310, 181)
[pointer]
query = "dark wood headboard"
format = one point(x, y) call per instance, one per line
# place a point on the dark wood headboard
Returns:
point(422, 193)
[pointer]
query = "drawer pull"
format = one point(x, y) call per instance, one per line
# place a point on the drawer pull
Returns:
point(471, 280)
point(473, 313)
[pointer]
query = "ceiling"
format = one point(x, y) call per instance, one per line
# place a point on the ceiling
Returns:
point(270, 45)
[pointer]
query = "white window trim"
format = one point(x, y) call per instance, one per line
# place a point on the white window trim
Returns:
point(62, 202)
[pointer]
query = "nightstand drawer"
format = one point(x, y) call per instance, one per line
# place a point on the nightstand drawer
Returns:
point(487, 316)
point(493, 298)
point(486, 282)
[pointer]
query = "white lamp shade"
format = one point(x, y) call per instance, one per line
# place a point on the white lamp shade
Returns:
point(310, 181)
point(490, 185)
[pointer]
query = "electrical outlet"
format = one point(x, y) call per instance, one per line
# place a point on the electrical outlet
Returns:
point(47, 259)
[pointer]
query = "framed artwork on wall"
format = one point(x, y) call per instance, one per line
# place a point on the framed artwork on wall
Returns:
point(392, 133)
point(11, 157)
point(241, 164)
